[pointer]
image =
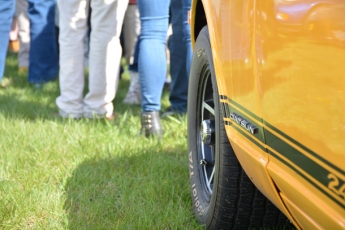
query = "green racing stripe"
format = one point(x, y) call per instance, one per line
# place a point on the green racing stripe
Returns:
point(302, 164)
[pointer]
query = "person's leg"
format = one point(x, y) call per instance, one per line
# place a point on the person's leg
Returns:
point(154, 15)
point(72, 23)
point(104, 56)
point(131, 26)
point(43, 57)
point(134, 66)
point(133, 96)
point(6, 15)
point(14, 43)
point(24, 33)
point(186, 4)
point(180, 49)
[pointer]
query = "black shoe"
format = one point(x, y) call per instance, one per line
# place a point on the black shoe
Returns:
point(151, 125)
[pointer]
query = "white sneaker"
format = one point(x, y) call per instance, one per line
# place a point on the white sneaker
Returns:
point(133, 95)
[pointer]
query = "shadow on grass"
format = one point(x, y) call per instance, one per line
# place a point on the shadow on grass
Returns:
point(13, 107)
point(148, 189)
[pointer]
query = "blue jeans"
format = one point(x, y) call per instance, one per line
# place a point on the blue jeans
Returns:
point(186, 4)
point(154, 15)
point(43, 57)
point(6, 15)
point(180, 55)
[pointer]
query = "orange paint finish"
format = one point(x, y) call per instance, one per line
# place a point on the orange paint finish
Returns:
point(282, 63)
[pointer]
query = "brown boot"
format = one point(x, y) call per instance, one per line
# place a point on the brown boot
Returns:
point(151, 125)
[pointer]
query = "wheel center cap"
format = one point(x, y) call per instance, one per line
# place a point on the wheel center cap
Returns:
point(207, 132)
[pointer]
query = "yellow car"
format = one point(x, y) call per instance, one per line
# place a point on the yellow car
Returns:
point(266, 114)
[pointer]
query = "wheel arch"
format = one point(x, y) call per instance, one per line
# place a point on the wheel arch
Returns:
point(199, 19)
point(201, 16)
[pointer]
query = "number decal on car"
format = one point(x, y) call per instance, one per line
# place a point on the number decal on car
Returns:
point(336, 185)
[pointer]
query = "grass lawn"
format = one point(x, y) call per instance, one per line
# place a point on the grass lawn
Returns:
point(87, 174)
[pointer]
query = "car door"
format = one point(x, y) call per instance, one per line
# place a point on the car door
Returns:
point(301, 70)
point(233, 44)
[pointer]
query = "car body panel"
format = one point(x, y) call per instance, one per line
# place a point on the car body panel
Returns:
point(291, 15)
point(290, 86)
point(308, 207)
point(300, 216)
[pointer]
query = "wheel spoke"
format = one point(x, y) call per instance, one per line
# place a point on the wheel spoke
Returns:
point(209, 182)
point(208, 107)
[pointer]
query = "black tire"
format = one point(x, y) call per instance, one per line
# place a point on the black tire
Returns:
point(228, 200)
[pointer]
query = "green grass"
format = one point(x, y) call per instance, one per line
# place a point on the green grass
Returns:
point(87, 174)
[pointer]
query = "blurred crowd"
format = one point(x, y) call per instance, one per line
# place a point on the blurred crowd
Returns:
point(57, 39)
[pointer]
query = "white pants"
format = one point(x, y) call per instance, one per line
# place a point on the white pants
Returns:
point(21, 13)
point(104, 57)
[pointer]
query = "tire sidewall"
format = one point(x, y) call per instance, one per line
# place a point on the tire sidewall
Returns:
point(202, 206)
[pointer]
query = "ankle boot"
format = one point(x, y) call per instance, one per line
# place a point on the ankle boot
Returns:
point(150, 124)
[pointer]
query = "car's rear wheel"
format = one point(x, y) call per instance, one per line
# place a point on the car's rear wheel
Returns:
point(222, 194)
